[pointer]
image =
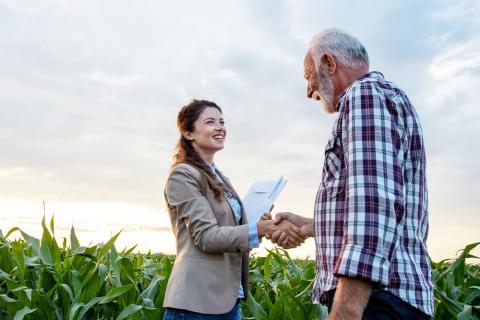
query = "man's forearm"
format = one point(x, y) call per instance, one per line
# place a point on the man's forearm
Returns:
point(351, 298)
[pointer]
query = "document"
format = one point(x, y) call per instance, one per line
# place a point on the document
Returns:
point(261, 196)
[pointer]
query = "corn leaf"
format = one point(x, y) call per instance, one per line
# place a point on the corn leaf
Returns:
point(115, 292)
point(49, 250)
point(11, 231)
point(23, 312)
point(151, 290)
point(67, 289)
point(33, 242)
point(255, 308)
point(128, 311)
point(74, 244)
point(108, 245)
point(87, 307)
point(73, 310)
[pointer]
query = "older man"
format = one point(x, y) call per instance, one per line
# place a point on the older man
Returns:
point(370, 220)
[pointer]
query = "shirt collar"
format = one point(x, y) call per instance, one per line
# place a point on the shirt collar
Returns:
point(371, 74)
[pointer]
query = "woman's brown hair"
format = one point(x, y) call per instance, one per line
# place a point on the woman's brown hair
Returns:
point(185, 152)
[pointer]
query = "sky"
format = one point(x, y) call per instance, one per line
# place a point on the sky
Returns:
point(90, 91)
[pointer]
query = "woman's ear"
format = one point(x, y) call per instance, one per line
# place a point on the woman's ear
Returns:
point(188, 136)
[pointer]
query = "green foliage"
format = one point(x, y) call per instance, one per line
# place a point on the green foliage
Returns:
point(40, 279)
point(457, 286)
point(280, 288)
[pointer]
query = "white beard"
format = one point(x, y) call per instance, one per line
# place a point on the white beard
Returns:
point(326, 99)
point(324, 94)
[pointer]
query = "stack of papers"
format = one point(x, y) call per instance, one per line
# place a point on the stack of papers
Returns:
point(261, 196)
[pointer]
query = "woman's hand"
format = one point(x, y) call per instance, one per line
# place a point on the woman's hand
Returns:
point(267, 215)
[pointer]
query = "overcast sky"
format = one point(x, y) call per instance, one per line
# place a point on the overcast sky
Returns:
point(90, 91)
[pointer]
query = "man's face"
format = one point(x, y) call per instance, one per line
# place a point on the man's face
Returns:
point(319, 84)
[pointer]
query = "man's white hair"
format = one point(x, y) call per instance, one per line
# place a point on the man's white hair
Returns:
point(345, 47)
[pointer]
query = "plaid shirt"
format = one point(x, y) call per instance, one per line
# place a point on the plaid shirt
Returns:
point(371, 218)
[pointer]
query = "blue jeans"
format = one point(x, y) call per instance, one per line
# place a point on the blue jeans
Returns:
point(382, 305)
point(179, 314)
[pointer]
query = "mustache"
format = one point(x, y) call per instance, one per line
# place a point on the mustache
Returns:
point(316, 95)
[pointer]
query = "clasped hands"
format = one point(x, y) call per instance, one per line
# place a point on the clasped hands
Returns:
point(287, 230)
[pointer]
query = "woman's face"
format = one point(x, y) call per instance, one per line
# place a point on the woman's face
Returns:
point(209, 132)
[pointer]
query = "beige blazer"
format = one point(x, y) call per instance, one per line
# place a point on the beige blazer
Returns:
point(212, 249)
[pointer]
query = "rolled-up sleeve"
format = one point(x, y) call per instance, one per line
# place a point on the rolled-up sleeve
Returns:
point(374, 204)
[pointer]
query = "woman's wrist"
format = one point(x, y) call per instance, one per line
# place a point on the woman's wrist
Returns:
point(262, 227)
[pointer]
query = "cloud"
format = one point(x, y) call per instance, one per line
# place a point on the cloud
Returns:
point(111, 79)
point(11, 171)
point(91, 90)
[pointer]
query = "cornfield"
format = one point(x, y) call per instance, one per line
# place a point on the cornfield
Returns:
point(42, 279)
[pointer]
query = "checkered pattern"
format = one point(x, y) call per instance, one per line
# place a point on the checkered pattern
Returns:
point(371, 217)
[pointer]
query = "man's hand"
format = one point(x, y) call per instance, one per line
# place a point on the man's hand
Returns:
point(351, 298)
point(292, 234)
point(305, 225)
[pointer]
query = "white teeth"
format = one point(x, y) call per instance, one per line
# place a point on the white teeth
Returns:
point(219, 138)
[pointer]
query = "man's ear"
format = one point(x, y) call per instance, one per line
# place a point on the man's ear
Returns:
point(330, 62)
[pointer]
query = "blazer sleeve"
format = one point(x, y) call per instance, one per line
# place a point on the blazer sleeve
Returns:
point(184, 192)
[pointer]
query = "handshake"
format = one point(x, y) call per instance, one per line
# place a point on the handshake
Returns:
point(287, 230)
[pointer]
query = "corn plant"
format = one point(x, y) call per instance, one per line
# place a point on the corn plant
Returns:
point(42, 279)
point(457, 287)
point(280, 288)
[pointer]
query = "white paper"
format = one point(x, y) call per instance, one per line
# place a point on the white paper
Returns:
point(261, 196)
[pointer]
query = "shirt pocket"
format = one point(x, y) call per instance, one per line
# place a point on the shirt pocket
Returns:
point(334, 164)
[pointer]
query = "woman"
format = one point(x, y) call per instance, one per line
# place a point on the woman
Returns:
point(213, 237)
